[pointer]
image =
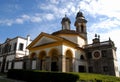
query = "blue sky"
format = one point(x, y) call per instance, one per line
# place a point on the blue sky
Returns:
point(23, 17)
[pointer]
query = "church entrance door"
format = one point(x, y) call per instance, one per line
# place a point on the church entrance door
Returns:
point(54, 60)
point(81, 68)
point(54, 66)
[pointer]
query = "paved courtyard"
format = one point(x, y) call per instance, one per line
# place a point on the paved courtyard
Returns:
point(5, 79)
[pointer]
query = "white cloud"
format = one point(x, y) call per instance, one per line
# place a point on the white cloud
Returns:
point(59, 10)
point(7, 22)
point(105, 24)
point(25, 17)
point(110, 8)
point(54, 1)
point(49, 16)
point(35, 19)
point(19, 21)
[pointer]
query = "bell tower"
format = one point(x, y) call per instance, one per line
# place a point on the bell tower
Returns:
point(80, 24)
point(65, 23)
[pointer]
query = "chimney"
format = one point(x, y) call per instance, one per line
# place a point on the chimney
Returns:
point(28, 40)
point(28, 37)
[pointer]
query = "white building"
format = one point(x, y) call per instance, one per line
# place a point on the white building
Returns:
point(13, 49)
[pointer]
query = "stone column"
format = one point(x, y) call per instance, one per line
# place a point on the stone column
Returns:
point(29, 64)
point(73, 65)
point(87, 69)
point(63, 64)
point(38, 64)
point(48, 63)
point(60, 63)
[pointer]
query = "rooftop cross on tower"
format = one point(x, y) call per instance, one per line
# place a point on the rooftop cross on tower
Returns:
point(65, 14)
point(79, 8)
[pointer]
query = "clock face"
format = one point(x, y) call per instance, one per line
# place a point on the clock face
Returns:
point(96, 54)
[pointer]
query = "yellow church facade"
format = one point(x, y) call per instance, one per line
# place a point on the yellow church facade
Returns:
point(62, 50)
point(57, 54)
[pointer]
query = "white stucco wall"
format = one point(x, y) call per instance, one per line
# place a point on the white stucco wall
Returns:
point(65, 48)
point(13, 53)
point(116, 64)
point(10, 57)
point(26, 43)
point(34, 64)
point(76, 57)
point(1, 58)
point(75, 39)
point(9, 66)
point(116, 68)
point(18, 65)
point(81, 41)
point(72, 38)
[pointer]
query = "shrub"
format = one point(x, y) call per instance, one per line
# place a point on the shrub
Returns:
point(39, 76)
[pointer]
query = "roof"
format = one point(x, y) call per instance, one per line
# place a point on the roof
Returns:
point(58, 39)
point(73, 32)
point(104, 43)
point(10, 39)
point(65, 19)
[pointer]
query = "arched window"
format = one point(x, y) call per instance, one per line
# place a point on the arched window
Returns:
point(82, 28)
point(33, 56)
point(82, 57)
point(42, 55)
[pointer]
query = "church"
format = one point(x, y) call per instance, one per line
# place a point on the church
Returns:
point(67, 50)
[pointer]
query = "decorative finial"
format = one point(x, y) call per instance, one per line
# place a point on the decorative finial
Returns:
point(98, 36)
point(95, 35)
point(109, 39)
point(65, 14)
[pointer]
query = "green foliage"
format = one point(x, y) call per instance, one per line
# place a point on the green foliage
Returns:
point(43, 76)
point(93, 77)
point(40, 76)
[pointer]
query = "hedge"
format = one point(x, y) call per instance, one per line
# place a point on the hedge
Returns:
point(39, 76)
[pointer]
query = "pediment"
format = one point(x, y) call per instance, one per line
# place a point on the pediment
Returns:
point(44, 40)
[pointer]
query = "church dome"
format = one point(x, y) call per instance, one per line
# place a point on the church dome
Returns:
point(79, 14)
point(65, 19)
point(80, 17)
